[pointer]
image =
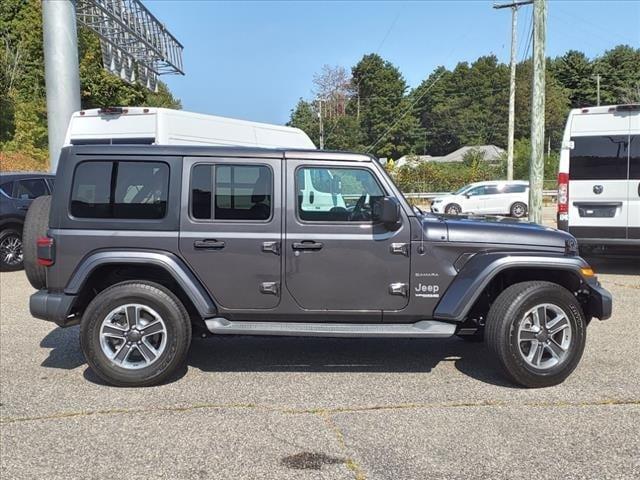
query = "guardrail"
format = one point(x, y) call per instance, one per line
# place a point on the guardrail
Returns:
point(550, 194)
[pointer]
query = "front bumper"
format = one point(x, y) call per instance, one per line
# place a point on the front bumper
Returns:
point(436, 208)
point(53, 307)
point(600, 302)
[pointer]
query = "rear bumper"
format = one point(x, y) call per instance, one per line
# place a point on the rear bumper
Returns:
point(53, 307)
point(600, 301)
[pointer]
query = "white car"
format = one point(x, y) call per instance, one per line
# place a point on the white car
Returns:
point(495, 198)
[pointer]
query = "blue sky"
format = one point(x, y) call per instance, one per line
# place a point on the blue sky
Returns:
point(253, 60)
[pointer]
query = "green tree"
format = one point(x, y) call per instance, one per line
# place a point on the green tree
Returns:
point(574, 72)
point(388, 123)
point(620, 74)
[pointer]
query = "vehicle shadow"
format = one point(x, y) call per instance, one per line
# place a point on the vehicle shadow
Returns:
point(300, 354)
point(348, 355)
point(615, 264)
point(65, 350)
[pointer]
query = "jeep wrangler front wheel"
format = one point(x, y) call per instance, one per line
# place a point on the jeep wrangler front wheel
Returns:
point(538, 332)
point(135, 334)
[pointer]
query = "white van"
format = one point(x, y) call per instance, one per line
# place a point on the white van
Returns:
point(599, 176)
point(163, 126)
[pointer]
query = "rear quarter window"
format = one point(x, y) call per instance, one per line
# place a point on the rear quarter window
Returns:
point(120, 190)
point(599, 158)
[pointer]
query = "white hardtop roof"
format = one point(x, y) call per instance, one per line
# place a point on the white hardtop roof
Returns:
point(606, 109)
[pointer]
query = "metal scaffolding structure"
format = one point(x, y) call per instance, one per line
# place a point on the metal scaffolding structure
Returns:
point(136, 46)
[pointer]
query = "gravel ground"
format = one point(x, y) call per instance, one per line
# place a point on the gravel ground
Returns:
point(320, 408)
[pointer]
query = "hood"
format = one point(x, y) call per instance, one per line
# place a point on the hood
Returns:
point(507, 232)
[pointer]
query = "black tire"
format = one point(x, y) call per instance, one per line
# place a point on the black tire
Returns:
point(147, 294)
point(11, 252)
point(36, 225)
point(505, 317)
point(452, 209)
point(518, 210)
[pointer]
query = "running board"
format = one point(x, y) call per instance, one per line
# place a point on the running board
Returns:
point(422, 329)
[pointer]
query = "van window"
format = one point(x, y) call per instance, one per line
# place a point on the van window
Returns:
point(336, 194)
point(124, 190)
point(634, 157)
point(599, 158)
point(231, 192)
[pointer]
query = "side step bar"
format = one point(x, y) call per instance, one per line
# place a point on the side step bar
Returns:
point(422, 329)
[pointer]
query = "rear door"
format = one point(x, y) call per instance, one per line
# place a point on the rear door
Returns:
point(231, 228)
point(26, 190)
point(598, 186)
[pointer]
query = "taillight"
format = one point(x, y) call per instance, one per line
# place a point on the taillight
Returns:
point(563, 193)
point(46, 252)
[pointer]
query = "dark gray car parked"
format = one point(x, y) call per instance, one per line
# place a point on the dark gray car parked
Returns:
point(17, 191)
point(144, 245)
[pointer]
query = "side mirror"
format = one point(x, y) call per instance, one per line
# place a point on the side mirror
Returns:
point(387, 211)
point(467, 195)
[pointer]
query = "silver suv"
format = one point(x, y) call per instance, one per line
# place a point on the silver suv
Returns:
point(145, 245)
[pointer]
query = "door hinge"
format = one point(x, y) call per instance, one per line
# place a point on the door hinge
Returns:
point(400, 249)
point(269, 288)
point(272, 247)
point(401, 289)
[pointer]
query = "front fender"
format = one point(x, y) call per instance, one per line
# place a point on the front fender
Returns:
point(476, 274)
point(165, 260)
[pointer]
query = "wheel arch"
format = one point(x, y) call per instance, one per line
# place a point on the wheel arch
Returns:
point(486, 275)
point(102, 269)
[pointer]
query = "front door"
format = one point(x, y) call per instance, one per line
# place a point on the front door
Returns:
point(231, 232)
point(337, 259)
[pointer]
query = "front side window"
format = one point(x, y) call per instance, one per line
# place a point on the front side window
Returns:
point(231, 192)
point(30, 189)
point(599, 158)
point(124, 190)
point(476, 191)
point(336, 194)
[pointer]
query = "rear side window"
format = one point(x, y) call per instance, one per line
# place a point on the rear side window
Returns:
point(124, 190)
point(515, 189)
point(29, 189)
point(7, 188)
point(231, 192)
point(599, 158)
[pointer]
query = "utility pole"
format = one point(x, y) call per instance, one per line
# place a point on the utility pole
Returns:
point(536, 166)
point(512, 83)
point(598, 87)
point(321, 124)
point(61, 73)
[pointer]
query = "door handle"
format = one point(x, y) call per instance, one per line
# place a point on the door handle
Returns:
point(311, 196)
point(208, 244)
point(307, 245)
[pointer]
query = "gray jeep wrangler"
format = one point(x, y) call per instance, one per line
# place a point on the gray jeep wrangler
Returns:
point(145, 246)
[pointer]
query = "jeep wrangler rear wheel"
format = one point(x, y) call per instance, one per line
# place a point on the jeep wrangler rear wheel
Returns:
point(135, 334)
point(538, 332)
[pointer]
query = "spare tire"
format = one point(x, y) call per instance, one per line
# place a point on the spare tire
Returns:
point(36, 225)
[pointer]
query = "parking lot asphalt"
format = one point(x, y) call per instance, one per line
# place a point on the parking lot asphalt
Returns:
point(252, 407)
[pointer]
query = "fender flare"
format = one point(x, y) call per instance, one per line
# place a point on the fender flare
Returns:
point(173, 265)
point(476, 274)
